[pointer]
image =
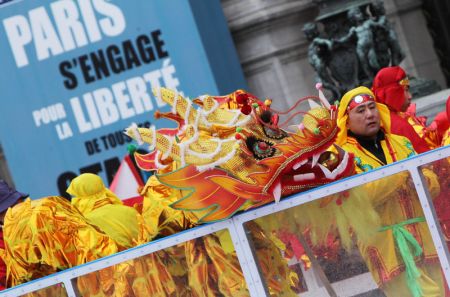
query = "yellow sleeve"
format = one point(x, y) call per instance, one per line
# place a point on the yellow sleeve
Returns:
point(381, 190)
point(432, 182)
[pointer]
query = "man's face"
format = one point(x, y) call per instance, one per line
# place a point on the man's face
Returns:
point(364, 119)
point(408, 97)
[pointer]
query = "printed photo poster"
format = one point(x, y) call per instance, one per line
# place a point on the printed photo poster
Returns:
point(75, 73)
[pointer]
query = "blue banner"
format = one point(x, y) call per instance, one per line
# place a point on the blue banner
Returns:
point(75, 74)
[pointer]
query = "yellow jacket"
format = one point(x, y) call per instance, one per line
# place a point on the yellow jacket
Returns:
point(396, 201)
point(393, 197)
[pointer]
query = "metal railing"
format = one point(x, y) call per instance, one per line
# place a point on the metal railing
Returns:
point(235, 226)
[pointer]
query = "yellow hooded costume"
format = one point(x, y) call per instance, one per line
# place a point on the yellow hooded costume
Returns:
point(89, 193)
point(389, 253)
point(126, 227)
point(103, 209)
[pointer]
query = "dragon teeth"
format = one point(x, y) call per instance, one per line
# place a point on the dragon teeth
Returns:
point(299, 164)
point(338, 170)
point(276, 192)
point(315, 159)
point(328, 174)
point(303, 177)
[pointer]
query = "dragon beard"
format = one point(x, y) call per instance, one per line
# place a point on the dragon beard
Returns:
point(230, 154)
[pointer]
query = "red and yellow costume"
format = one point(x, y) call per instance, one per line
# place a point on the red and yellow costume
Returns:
point(400, 213)
point(441, 124)
point(388, 87)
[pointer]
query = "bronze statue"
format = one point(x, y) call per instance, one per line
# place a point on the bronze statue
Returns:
point(319, 52)
point(362, 32)
point(387, 48)
point(356, 43)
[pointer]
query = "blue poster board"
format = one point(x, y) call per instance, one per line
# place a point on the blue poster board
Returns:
point(76, 73)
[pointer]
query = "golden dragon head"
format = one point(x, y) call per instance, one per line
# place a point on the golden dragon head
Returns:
point(231, 154)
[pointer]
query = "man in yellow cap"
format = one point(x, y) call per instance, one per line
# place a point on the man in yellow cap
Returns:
point(365, 130)
point(401, 255)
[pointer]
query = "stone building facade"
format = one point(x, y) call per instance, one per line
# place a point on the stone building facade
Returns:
point(273, 49)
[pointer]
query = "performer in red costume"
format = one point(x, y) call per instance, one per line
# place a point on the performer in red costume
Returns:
point(441, 124)
point(391, 87)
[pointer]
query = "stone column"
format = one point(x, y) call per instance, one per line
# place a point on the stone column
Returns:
point(409, 22)
point(272, 48)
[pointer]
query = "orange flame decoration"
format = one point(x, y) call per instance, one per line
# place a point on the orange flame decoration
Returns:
point(229, 160)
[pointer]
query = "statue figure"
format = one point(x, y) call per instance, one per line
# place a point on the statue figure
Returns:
point(362, 31)
point(358, 42)
point(386, 43)
point(319, 53)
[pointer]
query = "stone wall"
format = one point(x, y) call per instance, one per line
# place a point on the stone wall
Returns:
point(273, 50)
point(271, 46)
point(409, 22)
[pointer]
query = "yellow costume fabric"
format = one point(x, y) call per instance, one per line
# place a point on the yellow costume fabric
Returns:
point(446, 138)
point(396, 203)
point(90, 193)
point(121, 223)
point(157, 213)
point(273, 266)
point(430, 137)
point(48, 235)
point(204, 266)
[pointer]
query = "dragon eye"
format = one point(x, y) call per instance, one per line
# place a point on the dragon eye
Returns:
point(266, 116)
point(274, 133)
point(261, 149)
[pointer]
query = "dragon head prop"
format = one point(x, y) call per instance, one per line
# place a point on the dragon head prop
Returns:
point(230, 154)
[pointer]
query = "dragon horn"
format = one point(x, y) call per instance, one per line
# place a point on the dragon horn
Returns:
point(312, 104)
point(180, 105)
point(142, 135)
point(322, 97)
point(133, 132)
point(166, 145)
point(210, 112)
